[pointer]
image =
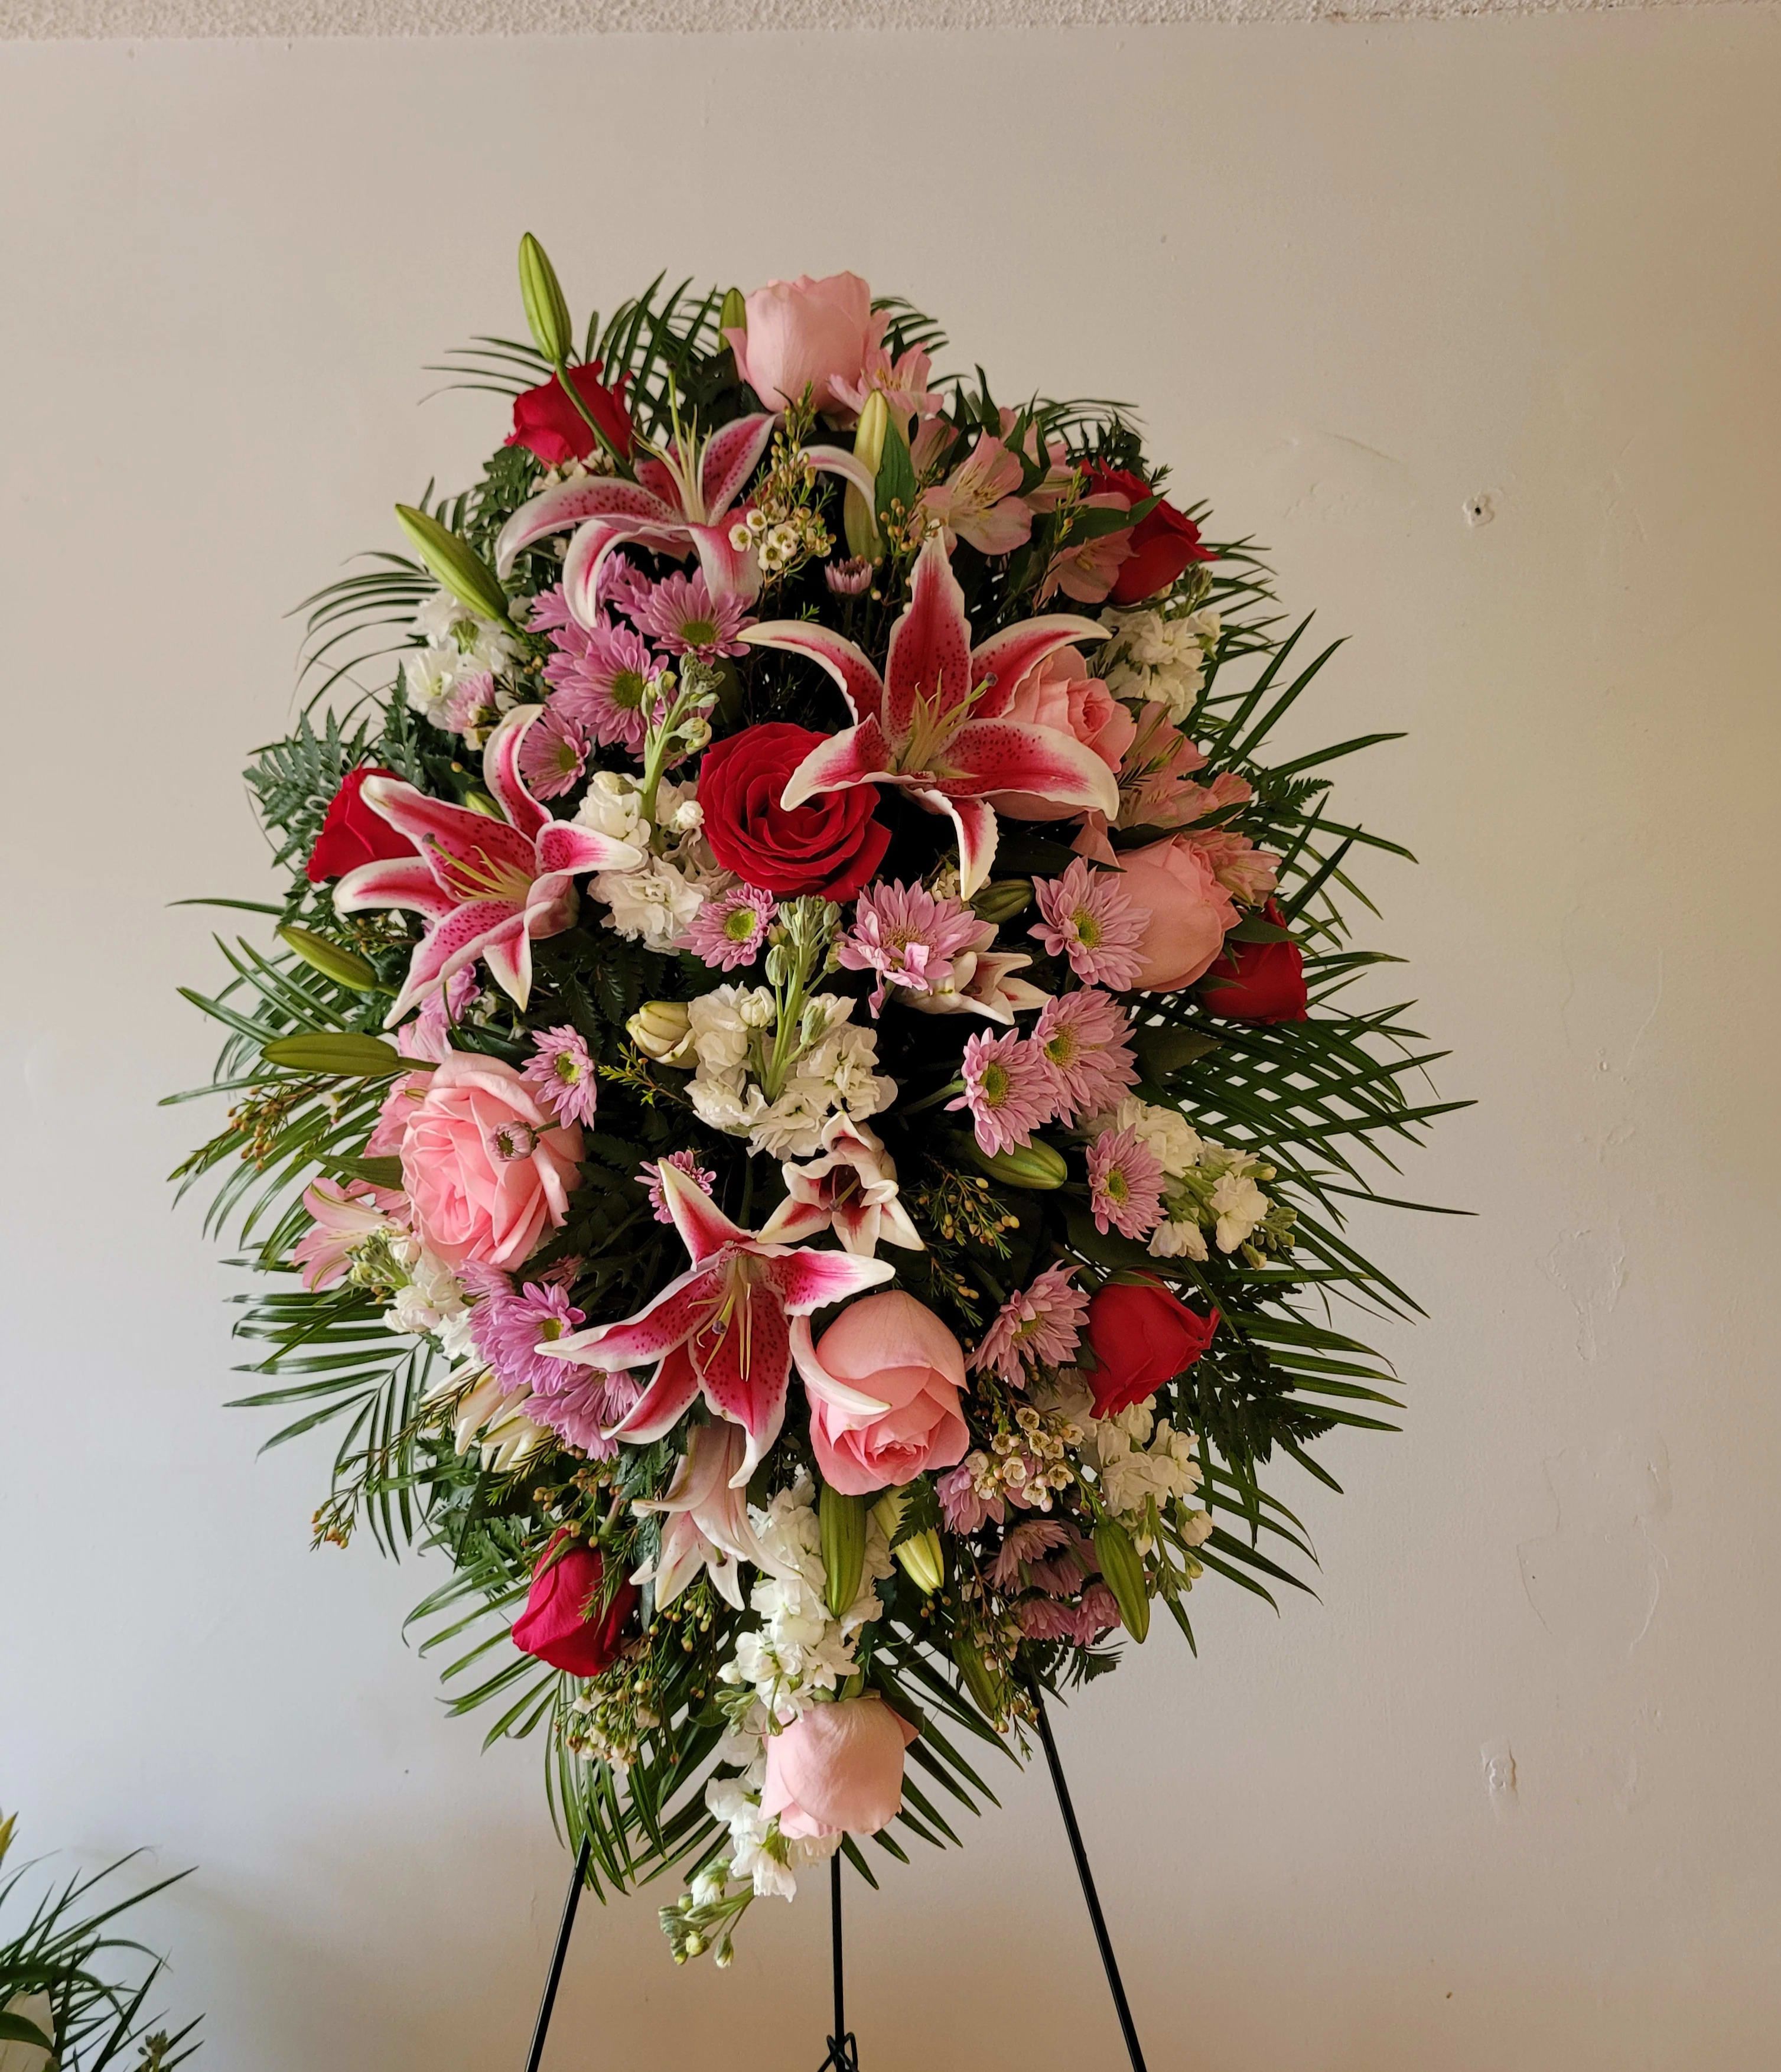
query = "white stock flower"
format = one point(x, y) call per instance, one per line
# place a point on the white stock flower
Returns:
point(652, 904)
point(1178, 1146)
point(1141, 1458)
point(613, 806)
point(1151, 659)
point(1178, 1239)
point(1239, 1205)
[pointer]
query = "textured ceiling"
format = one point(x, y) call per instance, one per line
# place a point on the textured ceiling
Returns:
point(45, 18)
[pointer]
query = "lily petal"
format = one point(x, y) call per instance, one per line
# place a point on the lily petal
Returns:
point(588, 549)
point(1008, 755)
point(729, 570)
point(975, 820)
point(572, 504)
point(508, 957)
point(402, 882)
point(667, 1320)
point(858, 756)
point(565, 846)
point(743, 1353)
point(703, 1227)
point(472, 856)
point(501, 771)
point(929, 657)
point(460, 939)
point(731, 457)
point(861, 685)
point(792, 1221)
point(837, 460)
point(809, 1280)
point(1007, 656)
point(672, 1391)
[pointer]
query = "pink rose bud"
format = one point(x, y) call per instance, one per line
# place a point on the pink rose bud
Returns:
point(806, 334)
point(892, 1352)
point(838, 1769)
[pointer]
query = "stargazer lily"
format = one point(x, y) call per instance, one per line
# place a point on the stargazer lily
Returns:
point(486, 887)
point(681, 504)
point(932, 722)
point(705, 1519)
point(723, 1328)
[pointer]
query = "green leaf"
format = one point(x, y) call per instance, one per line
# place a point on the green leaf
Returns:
point(896, 483)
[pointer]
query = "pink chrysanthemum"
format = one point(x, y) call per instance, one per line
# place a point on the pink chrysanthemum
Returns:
point(1091, 919)
point(1083, 1036)
point(961, 1506)
point(680, 613)
point(561, 1074)
point(554, 752)
point(1008, 1089)
point(730, 930)
point(580, 1405)
point(1028, 1542)
point(1124, 1184)
point(909, 938)
point(1043, 1324)
point(602, 681)
point(507, 1328)
point(470, 706)
point(848, 578)
point(650, 1175)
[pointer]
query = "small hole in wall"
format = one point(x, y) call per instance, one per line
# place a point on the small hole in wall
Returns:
point(1480, 510)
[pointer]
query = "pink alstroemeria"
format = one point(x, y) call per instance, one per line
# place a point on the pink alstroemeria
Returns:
point(706, 1520)
point(932, 722)
point(980, 500)
point(681, 504)
point(486, 887)
point(723, 1326)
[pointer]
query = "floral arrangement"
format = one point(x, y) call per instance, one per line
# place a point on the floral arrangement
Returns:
point(798, 1109)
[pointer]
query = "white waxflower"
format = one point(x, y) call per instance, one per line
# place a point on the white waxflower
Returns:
point(652, 904)
point(614, 806)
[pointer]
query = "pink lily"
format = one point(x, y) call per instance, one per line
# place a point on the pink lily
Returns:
point(723, 1326)
point(932, 723)
point(706, 1520)
point(486, 887)
point(681, 504)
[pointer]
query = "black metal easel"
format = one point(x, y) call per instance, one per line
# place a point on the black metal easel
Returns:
point(844, 2051)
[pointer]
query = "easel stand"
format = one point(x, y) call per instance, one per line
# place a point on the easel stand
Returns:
point(844, 2051)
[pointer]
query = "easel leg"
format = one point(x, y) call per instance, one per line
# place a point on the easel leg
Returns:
point(535, 2056)
point(844, 2052)
point(1103, 1942)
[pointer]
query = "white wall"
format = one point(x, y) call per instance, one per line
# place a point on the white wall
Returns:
point(1356, 277)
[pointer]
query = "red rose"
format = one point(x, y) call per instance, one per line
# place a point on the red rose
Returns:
point(1143, 1337)
point(352, 834)
point(829, 846)
point(547, 423)
point(1163, 544)
point(1259, 981)
point(556, 1626)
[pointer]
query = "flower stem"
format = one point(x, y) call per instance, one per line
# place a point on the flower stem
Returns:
point(593, 422)
point(933, 1100)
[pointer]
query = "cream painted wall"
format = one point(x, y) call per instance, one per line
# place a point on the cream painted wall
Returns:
point(1357, 278)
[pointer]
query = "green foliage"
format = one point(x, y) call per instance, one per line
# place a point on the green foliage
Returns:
point(62, 1948)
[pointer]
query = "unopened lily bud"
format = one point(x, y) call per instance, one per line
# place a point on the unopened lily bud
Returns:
point(1123, 1571)
point(456, 564)
point(923, 1560)
point(858, 518)
point(661, 1030)
point(1002, 900)
point(734, 314)
point(546, 311)
point(344, 966)
point(1036, 1165)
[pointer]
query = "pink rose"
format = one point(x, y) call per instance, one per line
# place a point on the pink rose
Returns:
point(837, 1770)
point(806, 334)
point(884, 1393)
point(1060, 692)
point(486, 1168)
point(1189, 911)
